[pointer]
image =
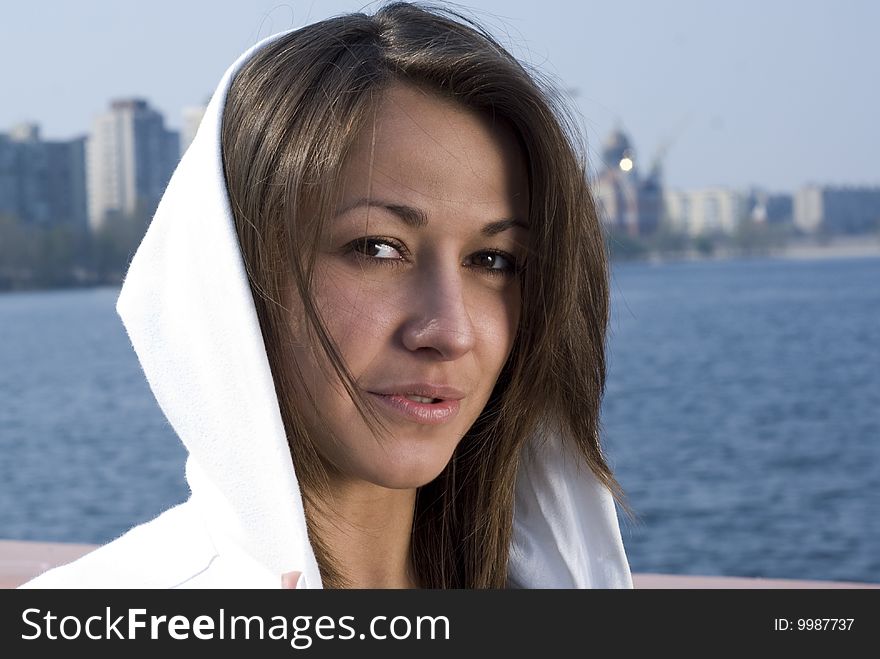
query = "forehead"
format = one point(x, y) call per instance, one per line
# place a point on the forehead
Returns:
point(427, 150)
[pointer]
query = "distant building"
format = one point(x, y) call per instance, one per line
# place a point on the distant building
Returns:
point(628, 202)
point(772, 208)
point(192, 118)
point(713, 211)
point(130, 157)
point(42, 182)
point(837, 210)
point(708, 211)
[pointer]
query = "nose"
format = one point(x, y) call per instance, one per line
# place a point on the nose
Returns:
point(439, 322)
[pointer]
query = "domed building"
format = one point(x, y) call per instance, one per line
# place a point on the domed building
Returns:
point(628, 203)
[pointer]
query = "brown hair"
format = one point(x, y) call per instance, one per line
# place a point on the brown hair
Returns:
point(291, 117)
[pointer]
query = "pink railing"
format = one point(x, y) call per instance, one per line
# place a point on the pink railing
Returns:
point(20, 561)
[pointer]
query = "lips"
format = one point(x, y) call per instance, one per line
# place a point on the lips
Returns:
point(440, 392)
point(426, 404)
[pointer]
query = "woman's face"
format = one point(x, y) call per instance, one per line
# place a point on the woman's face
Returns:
point(417, 283)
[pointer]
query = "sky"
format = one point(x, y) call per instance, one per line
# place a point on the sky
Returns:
point(775, 94)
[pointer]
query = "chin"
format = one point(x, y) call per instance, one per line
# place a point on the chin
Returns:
point(404, 481)
point(403, 472)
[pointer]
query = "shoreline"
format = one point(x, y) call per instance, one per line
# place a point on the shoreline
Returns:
point(856, 247)
point(850, 249)
point(863, 247)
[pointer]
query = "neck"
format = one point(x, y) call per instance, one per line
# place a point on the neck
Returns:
point(367, 530)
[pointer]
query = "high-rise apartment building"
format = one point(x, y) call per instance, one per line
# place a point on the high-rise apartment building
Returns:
point(42, 182)
point(837, 210)
point(130, 157)
point(708, 211)
point(715, 211)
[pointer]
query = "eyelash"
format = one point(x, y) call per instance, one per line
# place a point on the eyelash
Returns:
point(358, 247)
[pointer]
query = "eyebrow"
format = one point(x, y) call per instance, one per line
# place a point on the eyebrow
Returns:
point(416, 218)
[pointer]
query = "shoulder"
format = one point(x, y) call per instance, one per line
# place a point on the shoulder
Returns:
point(165, 552)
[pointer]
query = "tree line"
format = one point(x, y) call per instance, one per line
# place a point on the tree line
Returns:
point(63, 255)
point(750, 238)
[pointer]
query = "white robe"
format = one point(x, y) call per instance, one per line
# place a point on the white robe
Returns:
point(188, 310)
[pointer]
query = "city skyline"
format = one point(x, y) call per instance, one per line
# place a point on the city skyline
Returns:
point(774, 96)
point(122, 166)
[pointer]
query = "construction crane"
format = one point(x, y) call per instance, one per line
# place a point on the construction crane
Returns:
point(656, 168)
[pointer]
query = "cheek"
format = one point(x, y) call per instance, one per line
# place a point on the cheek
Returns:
point(495, 318)
point(360, 313)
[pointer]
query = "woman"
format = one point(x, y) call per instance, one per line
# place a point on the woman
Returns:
point(379, 263)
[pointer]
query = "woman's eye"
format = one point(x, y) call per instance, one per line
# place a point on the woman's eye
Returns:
point(377, 248)
point(496, 263)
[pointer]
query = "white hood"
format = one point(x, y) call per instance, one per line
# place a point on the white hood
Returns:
point(188, 309)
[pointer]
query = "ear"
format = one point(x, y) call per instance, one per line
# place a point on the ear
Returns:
point(289, 580)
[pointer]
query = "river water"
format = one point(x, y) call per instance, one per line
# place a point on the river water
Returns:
point(742, 417)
